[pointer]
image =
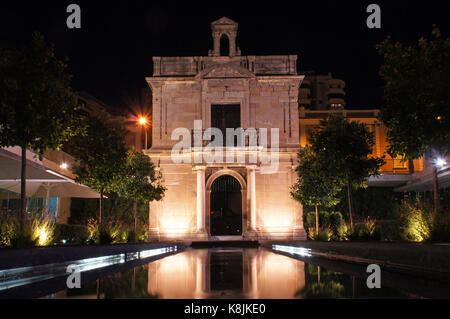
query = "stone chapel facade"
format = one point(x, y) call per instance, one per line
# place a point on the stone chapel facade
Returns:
point(215, 199)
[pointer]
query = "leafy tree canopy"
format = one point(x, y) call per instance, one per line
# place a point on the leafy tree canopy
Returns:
point(417, 96)
point(101, 152)
point(314, 186)
point(38, 109)
point(139, 181)
point(344, 148)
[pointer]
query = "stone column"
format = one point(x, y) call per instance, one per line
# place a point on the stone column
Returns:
point(216, 37)
point(232, 39)
point(252, 191)
point(201, 200)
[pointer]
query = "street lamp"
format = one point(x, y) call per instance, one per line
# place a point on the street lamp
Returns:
point(143, 122)
point(440, 163)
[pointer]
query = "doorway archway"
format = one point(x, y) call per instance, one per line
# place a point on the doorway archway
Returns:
point(226, 207)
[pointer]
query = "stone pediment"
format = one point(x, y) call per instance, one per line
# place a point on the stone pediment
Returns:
point(224, 21)
point(221, 71)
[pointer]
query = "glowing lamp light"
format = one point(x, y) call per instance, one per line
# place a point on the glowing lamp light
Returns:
point(440, 162)
point(142, 120)
point(64, 166)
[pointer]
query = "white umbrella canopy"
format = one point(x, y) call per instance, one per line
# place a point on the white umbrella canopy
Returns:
point(10, 169)
point(40, 181)
point(50, 188)
point(14, 186)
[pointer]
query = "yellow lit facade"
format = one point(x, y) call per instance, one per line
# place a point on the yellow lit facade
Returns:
point(309, 119)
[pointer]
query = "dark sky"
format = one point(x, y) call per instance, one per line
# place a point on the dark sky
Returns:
point(111, 54)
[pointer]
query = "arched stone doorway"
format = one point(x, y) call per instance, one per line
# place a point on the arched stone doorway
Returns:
point(225, 206)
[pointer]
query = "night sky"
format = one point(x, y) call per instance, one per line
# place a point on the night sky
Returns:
point(111, 54)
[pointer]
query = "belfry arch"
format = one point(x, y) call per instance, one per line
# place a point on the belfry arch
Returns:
point(227, 28)
point(224, 45)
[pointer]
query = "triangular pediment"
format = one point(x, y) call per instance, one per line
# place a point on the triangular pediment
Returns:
point(220, 71)
point(224, 21)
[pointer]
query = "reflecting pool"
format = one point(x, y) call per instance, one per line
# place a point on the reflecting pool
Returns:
point(253, 273)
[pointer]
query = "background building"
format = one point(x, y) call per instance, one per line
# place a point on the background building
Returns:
point(394, 173)
point(321, 92)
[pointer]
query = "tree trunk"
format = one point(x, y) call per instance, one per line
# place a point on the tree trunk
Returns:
point(101, 206)
point(350, 203)
point(23, 195)
point(435, 190)
point(411, 166)
point(135, 215)
point(318, 274)
point(98, 289)
point(317, 219)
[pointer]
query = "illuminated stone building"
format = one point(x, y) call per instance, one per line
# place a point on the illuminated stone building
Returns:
point(246, 195)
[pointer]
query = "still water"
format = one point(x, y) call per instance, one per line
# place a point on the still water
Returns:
point(254, 273)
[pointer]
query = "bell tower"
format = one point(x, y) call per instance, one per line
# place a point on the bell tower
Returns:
point(224, 30)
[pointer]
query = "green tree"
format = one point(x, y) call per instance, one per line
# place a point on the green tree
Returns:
point(343, 148)
point(417, 98)
point(139, 181)
point(314, 187)
point(38, 109)
point(100, 154)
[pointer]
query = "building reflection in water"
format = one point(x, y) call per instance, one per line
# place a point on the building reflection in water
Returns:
point(244, 273)
point(226, 273)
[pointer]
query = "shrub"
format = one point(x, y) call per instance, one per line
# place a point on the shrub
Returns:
point(364, 230)
point(129, 235)
point(420, 223)
point(326, 219)
point(335, 219)
point(110, 232)
point(417, 220)
point(343, 232)
point(324, 234)
point(9, 231)
point(330, 289)
point(142, 233)
point(310, 221)
point(38, 231)
point(93, 229)
point(71, 234)
point(42, 230)
point(389, 229)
